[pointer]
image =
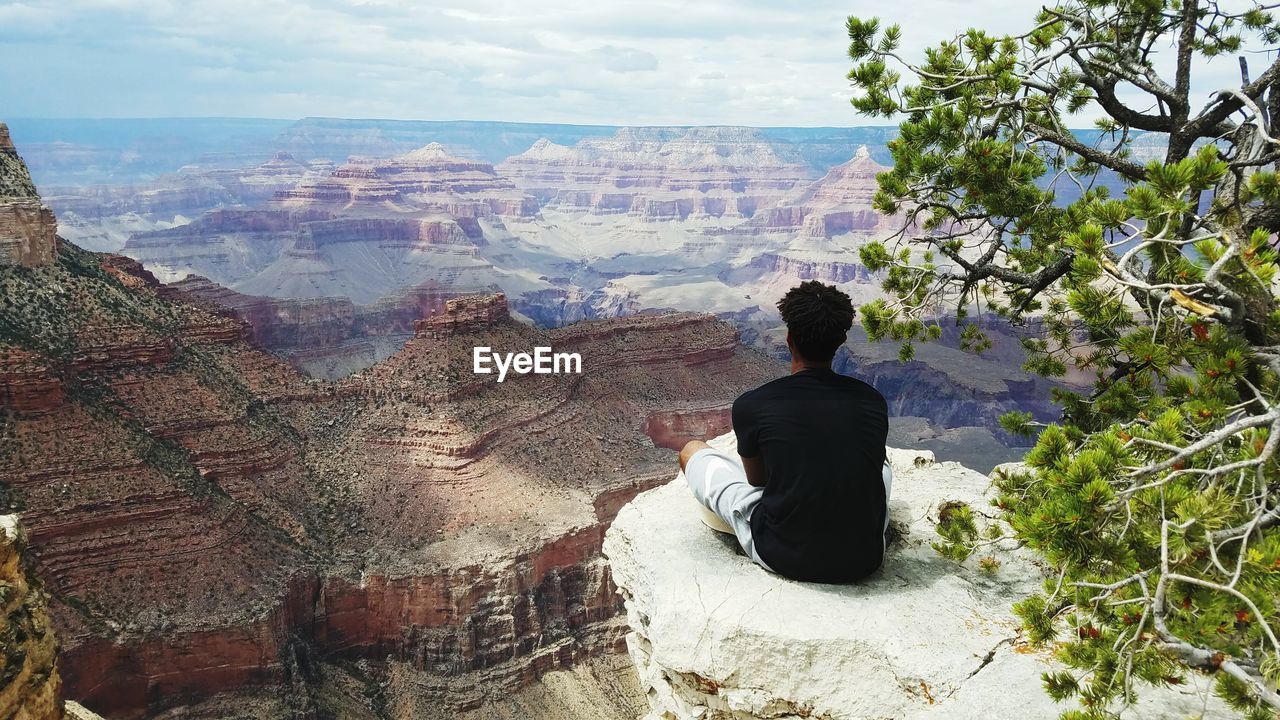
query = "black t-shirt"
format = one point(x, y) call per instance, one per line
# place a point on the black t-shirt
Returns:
point(822, 436)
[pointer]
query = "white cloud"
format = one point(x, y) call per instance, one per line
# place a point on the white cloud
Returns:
point(753, 62)
point(624, 59)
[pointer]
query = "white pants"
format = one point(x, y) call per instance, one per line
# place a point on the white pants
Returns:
point(720, 484)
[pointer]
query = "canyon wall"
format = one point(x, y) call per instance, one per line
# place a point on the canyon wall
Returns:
point(208, 522)
point(362, 231)
point(661, 174)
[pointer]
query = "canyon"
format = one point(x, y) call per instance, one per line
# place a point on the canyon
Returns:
point(570, 230)
point(220, 534)
point(330, 263)
point(230, 516)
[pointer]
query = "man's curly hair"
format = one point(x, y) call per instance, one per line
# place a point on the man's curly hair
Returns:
point(818, 319)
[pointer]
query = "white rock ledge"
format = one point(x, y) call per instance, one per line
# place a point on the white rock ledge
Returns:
point(715, 637)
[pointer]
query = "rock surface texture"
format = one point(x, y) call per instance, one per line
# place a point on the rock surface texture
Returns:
point(29, 682)
point(210, 525)
point(361, 231)
point(715, 637)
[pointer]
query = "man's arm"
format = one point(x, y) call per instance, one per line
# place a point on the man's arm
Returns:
point(744, 427)
point(756, 473)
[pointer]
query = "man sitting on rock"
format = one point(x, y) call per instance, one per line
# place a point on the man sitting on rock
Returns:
point(809, 499)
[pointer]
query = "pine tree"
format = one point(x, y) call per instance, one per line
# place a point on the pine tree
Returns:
point(1156, 497)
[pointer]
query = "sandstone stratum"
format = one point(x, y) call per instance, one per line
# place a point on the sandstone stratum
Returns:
point(362, 230)
point(27, 227)
point(205, 518)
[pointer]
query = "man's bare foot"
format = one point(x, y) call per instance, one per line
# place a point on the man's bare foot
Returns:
point(689, 449)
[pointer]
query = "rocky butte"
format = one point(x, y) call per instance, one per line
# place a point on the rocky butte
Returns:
point(656, 192)
point(102, 217)
point(661, 173)
point(712, 635)
point(208, 521)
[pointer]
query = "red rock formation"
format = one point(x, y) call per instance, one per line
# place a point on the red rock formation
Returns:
point(830, 271)
point(467, 620)
point(549, 605)
point(201, 512)
point(316, 332)
point(428, 178)
point(465, 314)
point(130, 272)
point(838, 203)
point(26, 382)
point(367, 229)
point(203, 516)
point(26, 233)
point(27, 228)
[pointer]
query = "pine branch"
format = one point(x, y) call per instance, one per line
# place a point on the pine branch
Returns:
point(1129, 169)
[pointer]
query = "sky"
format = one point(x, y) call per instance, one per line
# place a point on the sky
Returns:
point(613, 62)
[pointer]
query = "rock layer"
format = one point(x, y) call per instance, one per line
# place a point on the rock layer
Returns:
point(660, 173)
point(368, 229)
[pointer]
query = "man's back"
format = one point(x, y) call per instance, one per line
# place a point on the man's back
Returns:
point(821, 436)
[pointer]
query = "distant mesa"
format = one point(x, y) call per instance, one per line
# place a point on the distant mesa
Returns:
point(661, 174)
point(282, 158)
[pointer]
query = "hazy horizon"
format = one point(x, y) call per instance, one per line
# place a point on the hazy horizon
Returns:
point(290, 119)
